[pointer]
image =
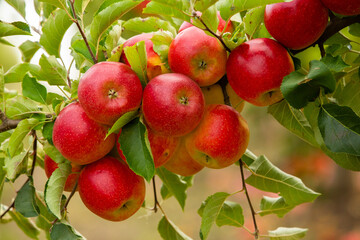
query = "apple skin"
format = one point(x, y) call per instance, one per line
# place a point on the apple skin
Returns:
point(110, 189)
point(154, 65)
point(296, 24)
point(182, 163)
point(162, 147)
point(221, 26)
point(80, 139)
point(198, 56)
point(236, 102)
point(343, 7)
point(255, 70)
point(108, 90)
point(50, 166)
point(220, 139)
point(173, 104)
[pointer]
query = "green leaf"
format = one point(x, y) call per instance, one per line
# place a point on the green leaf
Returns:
point(57, 3)
point(254, 23)
point(174, 184)
point(47, 131)
point(25, 202)
point(278, 206)
point(104, 19)
point(162, 41)
point(335, 64)
point(14, 166)
point(54, 154)
point(210, 19)
point(22, 129)
point(354, 29)
point(168, 230)
point(349, 96)
point(231, 214)
point(18, 5)
point(14, 28)
point(55, 73)
point(18, 72)
point(135, 149)
point(229, 8)
point(136, 55)
point(294, 120)
point(282, 233)
point(266, 177)
point(113, 38)
point(344, 160)
point(80, 47)
point(122, 121)
point(2, 87)
point(149, 24)
point(20, 107)
point(202, 5)
point(44, 211)
point(54, 188)
point(299, 89)
point(166, 193)
point(5, 42)
point(28, 49)
point(34, 90)
point(54, 29)
point(340, 129)
point(178, 9)
point(212, 208)
point(25, 224)
point(63, 230)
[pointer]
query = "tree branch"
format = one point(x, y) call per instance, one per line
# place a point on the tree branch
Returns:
point(7, 124)
point(253, 213)
point(76, 21)
point(223, 82)
point(335, 25)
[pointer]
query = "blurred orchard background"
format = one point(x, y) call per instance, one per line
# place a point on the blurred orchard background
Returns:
point(335, 215)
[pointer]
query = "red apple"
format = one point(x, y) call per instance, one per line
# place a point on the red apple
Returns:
point(296, 24)
point(80, 139)
point(220, 139)
point(50, 166)
point(110, 189)
point(198, 56)
point(154, 65)
point(173, 104)
point(182, 163)
point(343, 7)
point(162, 147)
point(221, 26)
point(255, 70)
point(108, 90)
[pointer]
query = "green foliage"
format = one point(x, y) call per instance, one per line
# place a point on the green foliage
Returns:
point(136, 56)
point(122, 121)
point(150, 24)
point(282, 233)
point(18, 5)
point(15, 28)
point(25, 202)
point(169, 230)
point(28, 49)
point(63, 230)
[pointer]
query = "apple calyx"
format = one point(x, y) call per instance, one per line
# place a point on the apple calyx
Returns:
point(184, 100)
point(112, 94)
point(202, 65)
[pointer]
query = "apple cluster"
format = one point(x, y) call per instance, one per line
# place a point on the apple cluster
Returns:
point(188, 125)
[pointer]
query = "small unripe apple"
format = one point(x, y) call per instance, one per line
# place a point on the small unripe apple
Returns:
point(236, 102)
point(50, 166)
point(108, 90)
point(173, 104)
point(296, 24)
point(220, 139)
point(256, 68)
point(213, 94)
point(198, 56)
point(110, 189)
point(78, 138)
point(343, 7)
point(154, 65)
point(162, 147)
point(182, 163)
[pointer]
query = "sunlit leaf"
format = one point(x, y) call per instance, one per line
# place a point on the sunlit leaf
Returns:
point(14, 28)
point(278, 206)
point(55, 72)
point(34, 90)
point(282, 233)
point(178, 9)
point(122, 121)
point(136, 55)
point(149, 24)
point(28, 49)
point(22, 129)
point(18, 5)
point(168, 230)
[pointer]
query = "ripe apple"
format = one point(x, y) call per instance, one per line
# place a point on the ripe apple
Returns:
point(198, 56)
point(80, 139)
point(255, 70)
point(182, 163)
point(108, 90)
point(173, 104)
point(110, 189)
point(50, 166)
point(162, 147)
point(154, 65)
point(213, 94)
point(221, 26)
point(296, 24)
point(343, 7)
point(220, 139)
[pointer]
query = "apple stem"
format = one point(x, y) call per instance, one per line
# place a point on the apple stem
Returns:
point(214, 34)
point(156, 203)
point(223, 82)
point(253, 213)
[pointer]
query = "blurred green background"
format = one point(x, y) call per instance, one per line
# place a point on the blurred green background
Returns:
point(335, 215)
